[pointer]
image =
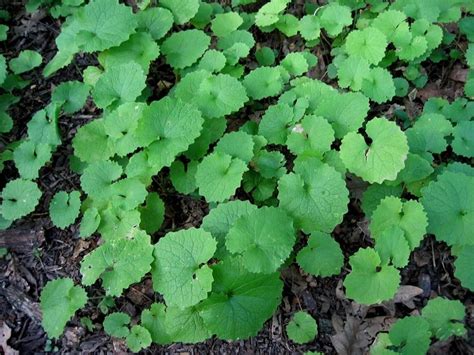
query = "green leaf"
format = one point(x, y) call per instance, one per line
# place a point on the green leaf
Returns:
point(183, 10)
point(275, 122)
point(310, 27)
point(186, 325)
point(463, 266)
point(392, 247)
point(224, 24)
point(322, 256)
point(409, 216)
point(183, 49)
point(91, 142)
point(428, 133)
point(263, 239)
point(449, 204)
point(368, 43)
point(265, 56)
point(312, 137)
point(352, 72)
point(119, 263)
point(212, 130)
point(116, 324)
point(72, 95)
point(370, 282)
point(26, 61)
point(212, 61)
point(59, 300)
point(411, 335)
point(295, 63)
point(155, 21)
point(302, 328)
point(221, 219)
point(152, 214)
point(334, 17)
point(153, 320)
point(184, 178)
point(128, 193)
point(379, 85)
point(376, 193)
point(270, 164)
point(263, 82)
point(3, 69)
point(117, 223)
point(30, 157)
point(463, 143)
point(317, 201)
point(140, 48)
point(96, 32)
point(90, 222)
point(64, 208)
point(3, 34)
point(381, 345)
point(288, 24)
point(408, 46)
point(177, 271)
point(470, 55)
point(346, 112)
point(388, 21)
point(268, 14)
point(219, 175)
point(237, 144)
point(240, 301)
point(383, 159)
point(121, 125)
point(20, 197)
point(215, 95)
point(138, 338)
point(97, 178)
point(445, 317)
point(168, 127)
point(119, 84)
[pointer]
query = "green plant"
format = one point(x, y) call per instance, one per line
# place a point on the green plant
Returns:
point(290, 162)
point(440, 319)
point(302, 328)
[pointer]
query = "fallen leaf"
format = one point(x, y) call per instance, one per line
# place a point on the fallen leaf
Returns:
point(351, 340)
point(5, 334)
point(406, 294)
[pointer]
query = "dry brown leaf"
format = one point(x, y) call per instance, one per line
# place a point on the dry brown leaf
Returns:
point(5, 334)
point(406, 294)
point(352, 339)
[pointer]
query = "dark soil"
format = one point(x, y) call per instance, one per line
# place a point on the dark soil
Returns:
point(344, 327)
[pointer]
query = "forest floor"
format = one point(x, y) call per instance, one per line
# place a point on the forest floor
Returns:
point(344, 326)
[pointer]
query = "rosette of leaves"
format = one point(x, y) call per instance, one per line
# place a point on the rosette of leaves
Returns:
point(445, 317)
point(398, 228)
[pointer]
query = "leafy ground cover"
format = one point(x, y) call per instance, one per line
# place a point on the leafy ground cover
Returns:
point(275, 176)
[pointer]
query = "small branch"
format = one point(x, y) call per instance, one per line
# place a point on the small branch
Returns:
point(21, 302)
point(22, 239)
